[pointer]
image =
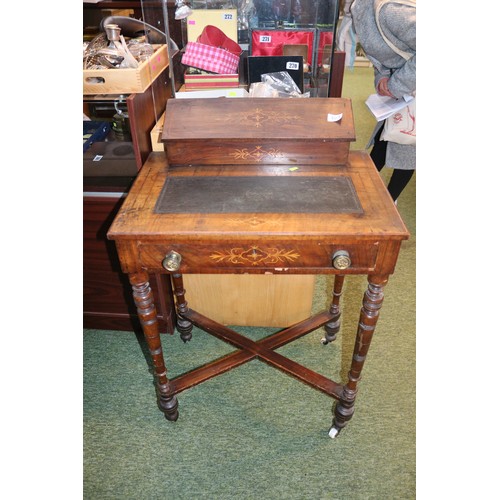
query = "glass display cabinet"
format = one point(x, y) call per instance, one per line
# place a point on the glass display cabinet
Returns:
point(275, 28)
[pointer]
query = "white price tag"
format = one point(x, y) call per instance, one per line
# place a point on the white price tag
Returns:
point(265, 38)
point(292, 65)
point(333, 118)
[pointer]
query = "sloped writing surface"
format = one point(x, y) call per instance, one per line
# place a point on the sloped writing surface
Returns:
point(219, 194)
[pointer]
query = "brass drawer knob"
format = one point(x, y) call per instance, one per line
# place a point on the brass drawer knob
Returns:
point(172, 261)
point(341, 260)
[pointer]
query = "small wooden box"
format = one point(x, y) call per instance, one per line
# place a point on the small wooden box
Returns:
point(128, 80)
point(296, 131)
point(209, 81)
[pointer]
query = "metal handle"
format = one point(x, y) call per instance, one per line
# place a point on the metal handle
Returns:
point(172, 261)
point(341, 260)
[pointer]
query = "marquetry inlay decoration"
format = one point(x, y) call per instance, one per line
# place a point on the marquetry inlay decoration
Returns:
point(255, 256)
point(251, 221)
point(256, 154)
point(258, 117)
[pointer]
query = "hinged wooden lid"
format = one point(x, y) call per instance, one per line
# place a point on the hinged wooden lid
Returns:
point(308, 119)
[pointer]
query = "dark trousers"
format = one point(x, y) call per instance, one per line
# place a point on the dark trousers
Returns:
point(400, 178)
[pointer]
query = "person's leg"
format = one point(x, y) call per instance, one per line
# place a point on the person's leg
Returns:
point(399, 178)
point(398, 182)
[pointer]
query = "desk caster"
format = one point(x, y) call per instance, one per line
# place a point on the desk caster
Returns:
point(333, 433)
point(328, 338)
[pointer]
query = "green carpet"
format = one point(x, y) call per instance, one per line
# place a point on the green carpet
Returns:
point(255, 432)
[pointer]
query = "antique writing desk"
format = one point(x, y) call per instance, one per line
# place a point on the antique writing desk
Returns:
point(259, 218)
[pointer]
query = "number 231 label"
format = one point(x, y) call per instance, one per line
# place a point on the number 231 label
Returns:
point(265, 38)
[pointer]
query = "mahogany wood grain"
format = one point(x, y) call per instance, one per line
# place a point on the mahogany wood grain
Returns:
point(257, 131)
point(336, 75)
point(333, 327)
point(372, 302)
point(146, 310)
point(263, 349)
point(297, 242)
point(372, 236)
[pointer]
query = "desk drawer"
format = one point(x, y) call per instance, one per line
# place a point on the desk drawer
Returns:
point(279, 257)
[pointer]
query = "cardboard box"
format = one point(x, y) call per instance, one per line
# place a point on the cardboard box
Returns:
point(224, 19)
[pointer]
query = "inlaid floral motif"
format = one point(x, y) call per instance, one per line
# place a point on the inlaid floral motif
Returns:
point(260, 116)
point(255, 256)
point(256, 154)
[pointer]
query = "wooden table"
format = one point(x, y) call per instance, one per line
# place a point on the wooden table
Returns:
point(309, 219)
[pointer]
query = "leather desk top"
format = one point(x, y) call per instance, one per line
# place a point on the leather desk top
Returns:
point(368, 227)
point(373, 216)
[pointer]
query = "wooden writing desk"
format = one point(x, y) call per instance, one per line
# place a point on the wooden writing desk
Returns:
point(280, 219)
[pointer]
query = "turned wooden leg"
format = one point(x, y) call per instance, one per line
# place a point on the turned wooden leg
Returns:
point(184, 326)
point(144, 301)
point(372, 302)
point(333, 327)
